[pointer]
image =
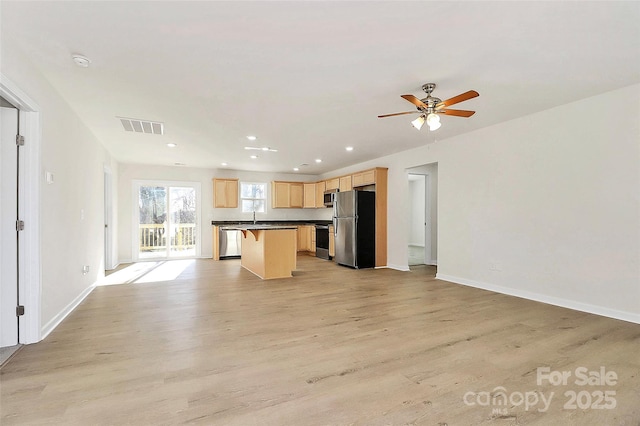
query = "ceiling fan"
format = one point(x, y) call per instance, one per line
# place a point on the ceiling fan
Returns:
point(430, 107)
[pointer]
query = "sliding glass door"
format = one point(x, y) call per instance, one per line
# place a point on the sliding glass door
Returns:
point(167, 220)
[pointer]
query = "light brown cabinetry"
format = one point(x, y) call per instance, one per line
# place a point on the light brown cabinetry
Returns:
point(332, 242)
point(320, 188)
point(367, 177)
point(310, 196)
point(225, 193)
point(297, 195)
point(306, 238)
point(380, 179)
point(345, 183)
point(332, 184)
point(287, 194)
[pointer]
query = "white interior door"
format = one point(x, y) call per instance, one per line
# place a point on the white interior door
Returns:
point(8, 235)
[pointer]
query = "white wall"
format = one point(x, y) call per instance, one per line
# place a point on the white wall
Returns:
point(549, 201)
point(127, 173)
point(72, 208)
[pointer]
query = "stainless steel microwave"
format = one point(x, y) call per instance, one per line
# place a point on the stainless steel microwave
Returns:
point(329, 197)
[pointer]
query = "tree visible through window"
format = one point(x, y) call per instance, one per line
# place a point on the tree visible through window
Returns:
point(253, 197)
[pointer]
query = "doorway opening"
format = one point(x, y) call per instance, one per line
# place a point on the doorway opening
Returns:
point(167, 220)
point(422, 218)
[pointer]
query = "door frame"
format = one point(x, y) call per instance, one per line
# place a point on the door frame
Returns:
point(108, 219)
point(427, 219)
point(135, 214)
point(29, 209)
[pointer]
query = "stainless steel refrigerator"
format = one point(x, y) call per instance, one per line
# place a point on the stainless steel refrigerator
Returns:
point(354, 223)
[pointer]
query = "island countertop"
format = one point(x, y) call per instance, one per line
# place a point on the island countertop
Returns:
point(257, 226)
point(225, 223)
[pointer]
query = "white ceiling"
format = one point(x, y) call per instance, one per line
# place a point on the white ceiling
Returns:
point(310, 78)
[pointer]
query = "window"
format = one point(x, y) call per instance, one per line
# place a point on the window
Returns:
point(254, 196)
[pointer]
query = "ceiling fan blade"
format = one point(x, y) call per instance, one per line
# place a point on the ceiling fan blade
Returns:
point(398, 113)
point(457, 112)
point(456, 99)
point(417, 102)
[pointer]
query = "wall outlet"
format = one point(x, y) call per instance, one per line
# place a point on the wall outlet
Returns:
point(85, 269)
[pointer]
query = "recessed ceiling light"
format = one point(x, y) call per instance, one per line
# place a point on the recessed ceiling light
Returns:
point(224, 164)
point(295, 169)
point(171, 145)
point(252, 138)
point(318, 160)
point(254, 156)
point(179, 164)
point(264, 148)
point(349, 148)
point(81, 61)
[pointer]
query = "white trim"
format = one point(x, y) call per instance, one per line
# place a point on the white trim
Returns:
point(108, 218)
point(55, 321)
point(30, 277)
point(403, 268)
point(537, 297)
point(427, 217)
point(433, 262)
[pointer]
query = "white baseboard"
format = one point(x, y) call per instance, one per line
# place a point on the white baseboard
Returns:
point(433, 262)
point(403, 268)
point(55, 321)
point(543, 298)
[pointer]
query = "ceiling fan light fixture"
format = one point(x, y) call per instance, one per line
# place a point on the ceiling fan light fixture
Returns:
point(435, 126)
point(419, 122)
point(432, 119)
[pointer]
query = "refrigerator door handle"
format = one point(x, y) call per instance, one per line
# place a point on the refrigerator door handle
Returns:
point(335, 222)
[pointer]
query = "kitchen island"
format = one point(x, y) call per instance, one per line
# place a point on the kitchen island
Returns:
point(269, 251)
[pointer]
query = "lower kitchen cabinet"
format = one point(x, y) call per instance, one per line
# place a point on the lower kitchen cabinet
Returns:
point(307, 238)
point(332, 242)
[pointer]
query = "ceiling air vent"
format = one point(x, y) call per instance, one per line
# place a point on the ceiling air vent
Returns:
point(142, 126)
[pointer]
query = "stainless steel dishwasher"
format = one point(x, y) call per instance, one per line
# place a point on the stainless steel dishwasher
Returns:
point(230, 243)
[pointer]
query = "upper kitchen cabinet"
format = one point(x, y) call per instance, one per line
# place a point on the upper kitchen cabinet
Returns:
point(320, 188)
point(225, 193)
point(332, 184)
point(367, 177)
point(287, 194)
point(297, 195)
point(310, 196)
point(345, 183)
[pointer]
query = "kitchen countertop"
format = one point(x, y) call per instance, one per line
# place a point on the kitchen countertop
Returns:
point(258, 227)
point(236, 223)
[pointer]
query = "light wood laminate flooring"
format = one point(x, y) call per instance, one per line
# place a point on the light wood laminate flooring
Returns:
point(331, 346)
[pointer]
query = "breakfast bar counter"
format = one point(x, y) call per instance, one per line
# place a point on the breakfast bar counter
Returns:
point(269, 251)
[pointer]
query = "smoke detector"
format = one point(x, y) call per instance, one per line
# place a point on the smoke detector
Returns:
point(81, 61)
